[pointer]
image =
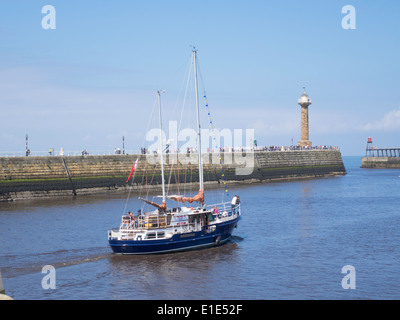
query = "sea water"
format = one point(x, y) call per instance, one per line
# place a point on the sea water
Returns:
point(296, 240)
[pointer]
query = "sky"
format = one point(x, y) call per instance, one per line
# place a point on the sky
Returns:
point(93, 79)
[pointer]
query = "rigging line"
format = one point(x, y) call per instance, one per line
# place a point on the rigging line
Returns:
point(151, 118)
point(184, 98)
point(172, 171)
point(182, 85)
point(170, 174)
point(187, 168)
point(144, 204)
point(129, 192)
point(176, 72)
point(188, 72)
point(152, 178)
point(177, 164)
point(216, 145)
point(213, 133)
point(134, 173)
point(201, 76)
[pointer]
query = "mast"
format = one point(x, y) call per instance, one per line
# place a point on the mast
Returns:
point(198, 123)
point(161, 147)
point(200, 196)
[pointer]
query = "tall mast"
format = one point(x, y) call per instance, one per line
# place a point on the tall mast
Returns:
point(198, 123)
point(161, 147)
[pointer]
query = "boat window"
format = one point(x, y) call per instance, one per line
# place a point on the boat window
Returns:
point(161, 234)
point(151, 235)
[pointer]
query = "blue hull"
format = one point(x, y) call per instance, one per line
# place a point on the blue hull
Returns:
point(178, 242)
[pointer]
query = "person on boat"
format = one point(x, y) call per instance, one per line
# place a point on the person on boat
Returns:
point(131, 219)
point(234, 203)
point(126, 221)
point(215, 212)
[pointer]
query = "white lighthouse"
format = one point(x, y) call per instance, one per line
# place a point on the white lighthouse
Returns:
point(304, 102)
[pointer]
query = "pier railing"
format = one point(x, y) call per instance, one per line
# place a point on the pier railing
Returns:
point(14, 154)
point(382, 152)
point(52, 152)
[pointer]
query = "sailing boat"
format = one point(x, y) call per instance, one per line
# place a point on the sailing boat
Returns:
point(182, 227)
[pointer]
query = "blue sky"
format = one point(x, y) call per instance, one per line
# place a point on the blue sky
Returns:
point(93, 79)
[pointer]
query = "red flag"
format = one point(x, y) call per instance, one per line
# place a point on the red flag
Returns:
point(133, 169)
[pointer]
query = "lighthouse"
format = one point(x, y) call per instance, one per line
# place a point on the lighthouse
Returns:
point(304, 102)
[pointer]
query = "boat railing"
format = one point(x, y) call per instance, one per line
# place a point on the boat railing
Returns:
point(223, 205)
point(143, 222)
point(224, 211)
point(152, 222)
point(146, 222)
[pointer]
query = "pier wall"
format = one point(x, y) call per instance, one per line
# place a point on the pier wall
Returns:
point(38, 177)
point(380, 162)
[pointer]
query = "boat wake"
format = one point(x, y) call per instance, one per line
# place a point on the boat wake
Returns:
point(237, 238)
point(16, 265)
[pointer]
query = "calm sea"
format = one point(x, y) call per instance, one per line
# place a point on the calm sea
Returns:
point(292, 243)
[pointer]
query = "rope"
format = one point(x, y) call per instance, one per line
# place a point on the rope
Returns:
point(216, 145)
point(145, 173)
point(212, 130)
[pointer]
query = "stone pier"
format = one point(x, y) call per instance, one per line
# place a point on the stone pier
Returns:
point(38, 177)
